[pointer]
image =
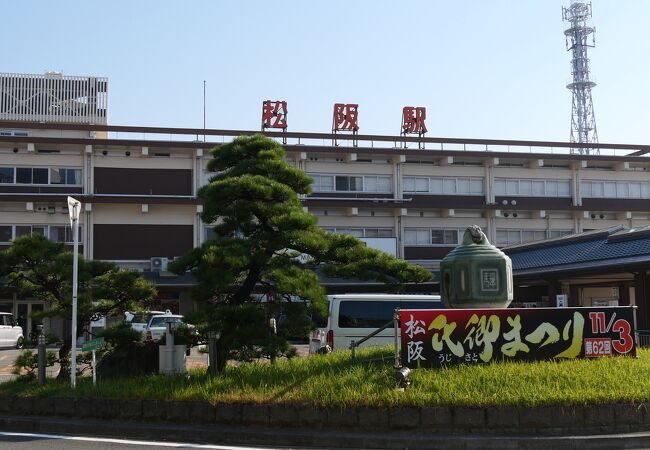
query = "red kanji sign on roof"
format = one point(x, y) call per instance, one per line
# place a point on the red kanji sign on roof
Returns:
point(413, 120)
point(274, 114)
point(345, 117)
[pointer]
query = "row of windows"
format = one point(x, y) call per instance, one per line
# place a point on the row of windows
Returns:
point(57, 233)
point(363, 232)
point(40, 175)
point(615, 189)
point(443, 185)
point(351, 183)
point(427, 236)
point(532, 188)
point(505, 237)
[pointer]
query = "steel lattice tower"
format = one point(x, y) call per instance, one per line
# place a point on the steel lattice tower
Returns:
point(579, 37)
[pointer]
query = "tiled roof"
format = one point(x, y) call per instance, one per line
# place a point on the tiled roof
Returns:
point(612, 246)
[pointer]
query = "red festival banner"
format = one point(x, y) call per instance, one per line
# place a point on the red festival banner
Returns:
point(434, 338)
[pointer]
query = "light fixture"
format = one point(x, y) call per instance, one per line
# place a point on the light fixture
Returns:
point(402, 377)
point(504, 202)
point(513, 203)
point(514, 214)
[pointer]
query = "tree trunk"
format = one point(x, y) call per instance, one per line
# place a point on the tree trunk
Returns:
point(246, 289)
point(64, 359)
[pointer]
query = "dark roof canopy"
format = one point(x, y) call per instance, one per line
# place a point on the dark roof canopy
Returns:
point(611, 249)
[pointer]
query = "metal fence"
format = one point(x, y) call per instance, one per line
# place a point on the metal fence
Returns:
point(643, 338)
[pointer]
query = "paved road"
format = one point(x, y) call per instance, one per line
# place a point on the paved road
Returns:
point(28, 441)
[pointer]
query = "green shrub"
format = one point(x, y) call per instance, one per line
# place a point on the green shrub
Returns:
point(26, 364)
point(121, 335)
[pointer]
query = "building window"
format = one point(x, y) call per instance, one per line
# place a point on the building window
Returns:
point(615, 189)
point(363, 232)
point(351, 183)
point(559, 233)
point(428, 236)
point(532, 188)
point(513, 237)
point(444, 185)
point(40, 175)
point(7, 175)
point(56, 233)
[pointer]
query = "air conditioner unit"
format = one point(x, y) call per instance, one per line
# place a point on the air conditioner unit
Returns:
point(159, 264)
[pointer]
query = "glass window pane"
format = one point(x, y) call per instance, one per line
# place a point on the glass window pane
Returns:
point(525, 187)
point(437, 237)
point(410, 237)
point(476, 186)
point(73, 176)
point(622, 190)
point(57, 176)
point(435, 186)
point(40, 176)
point(645, 190)
point(38, 230)
point(6, 174)
point(24, 175)
point(635, 190)
point(57, 234)
point(385, 232)
point(585, 187)
point(449, 186)
point(370, 184)
point(409, 184)
point(463, 186)
point(451, 237)
point(499, 187)
point(610, 189)
point(5, 233)
point(551, 188)
point(563, 189)
point(356, 183)
point(538, 188)
point(327, 182)
point(598, 189)
point(342, 183)
point(512, 187)
point(424, 237)
point(527, 236)
point(422, 185)
point(502, 238)
point(23, 230)
point(384, 184)
point(371, 232)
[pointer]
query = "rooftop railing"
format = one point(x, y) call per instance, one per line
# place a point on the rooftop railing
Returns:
point(199, 137)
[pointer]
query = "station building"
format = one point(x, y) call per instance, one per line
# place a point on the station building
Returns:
point(410, 196)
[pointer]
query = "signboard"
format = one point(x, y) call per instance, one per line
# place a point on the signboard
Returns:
point(94, 344)
point(561, 300)
point(434, 338)
point(274, 114)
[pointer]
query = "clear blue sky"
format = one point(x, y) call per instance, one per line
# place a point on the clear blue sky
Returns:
point(484, 69)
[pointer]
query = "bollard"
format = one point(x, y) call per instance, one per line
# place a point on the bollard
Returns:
point(41, 356)
point(213, 369)
point(272, 331)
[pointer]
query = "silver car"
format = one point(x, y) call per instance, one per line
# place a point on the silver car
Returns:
point(11, 334)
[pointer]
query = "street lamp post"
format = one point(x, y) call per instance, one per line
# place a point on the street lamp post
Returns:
point(74, 208)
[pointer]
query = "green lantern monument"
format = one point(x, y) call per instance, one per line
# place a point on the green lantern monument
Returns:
point(476, 274)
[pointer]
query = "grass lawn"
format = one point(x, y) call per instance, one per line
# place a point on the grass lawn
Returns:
point(334, 380)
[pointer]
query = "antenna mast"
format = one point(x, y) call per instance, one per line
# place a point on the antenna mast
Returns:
point(579, 37)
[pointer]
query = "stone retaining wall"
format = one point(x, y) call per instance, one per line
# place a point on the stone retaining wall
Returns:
point(616, 418)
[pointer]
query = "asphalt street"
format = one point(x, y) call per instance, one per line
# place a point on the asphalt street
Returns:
point(25, 441)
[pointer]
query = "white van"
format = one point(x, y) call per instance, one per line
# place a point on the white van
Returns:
point(354, 316)
point(11, 334)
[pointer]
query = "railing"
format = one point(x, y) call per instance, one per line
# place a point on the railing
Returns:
point(643, 338)
point(206, 138)
point(395, 324)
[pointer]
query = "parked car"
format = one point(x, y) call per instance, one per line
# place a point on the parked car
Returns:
point(354, 316)
point(157, 325)
point(139, 321)
point(11, 334)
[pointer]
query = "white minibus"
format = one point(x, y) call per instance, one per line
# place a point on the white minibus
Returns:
point(354, 316)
